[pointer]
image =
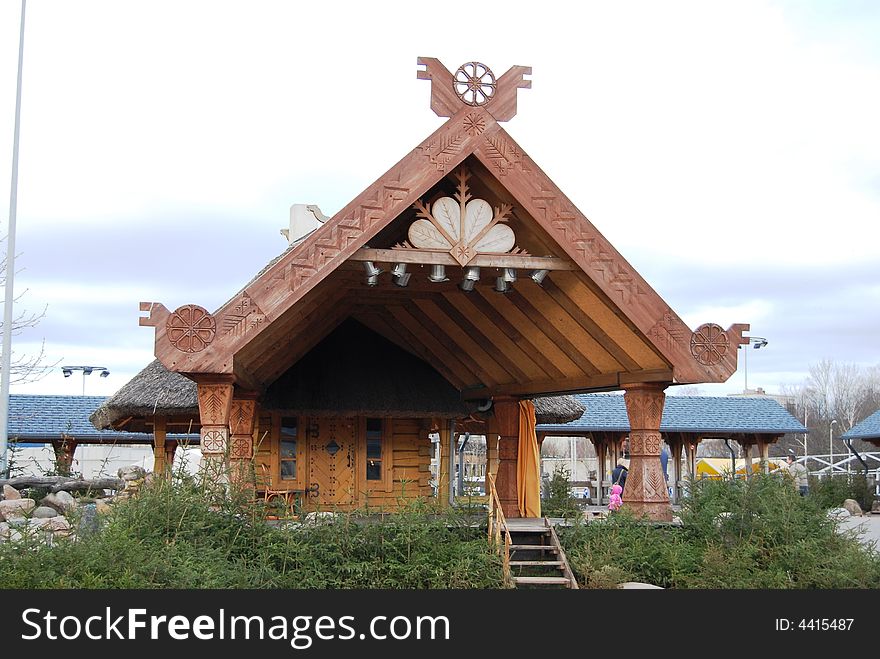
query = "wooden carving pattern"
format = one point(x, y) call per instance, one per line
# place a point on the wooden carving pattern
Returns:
point(442, 150)
point(241, 417)
point(505, 155)
point(214, 440)
point(665, 331)
point(709, 344)
point(244, 316)
point(591, 246)
point(474, 123)
point(474, 83)
point(241, 448)
point(463, 226)
point(644, 407)
point(190, 328)
point(214, 403)
point(333, 238)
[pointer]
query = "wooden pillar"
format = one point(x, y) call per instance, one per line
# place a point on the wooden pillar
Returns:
point(507, 418)
point(64, 449)
point(675, 446)
point(601, 450)
point(645, 491)
point(443, 476)
point(747, 455)
point(215, 404)
point(491, 456)
point(160, 467)
point(170, 451)
point(241, 440)
point(764, 450)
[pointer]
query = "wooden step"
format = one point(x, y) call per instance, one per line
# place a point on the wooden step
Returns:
point(533, 548)
point(541, 581)
point(557, 564)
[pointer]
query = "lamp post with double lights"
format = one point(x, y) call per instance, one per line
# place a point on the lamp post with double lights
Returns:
point(86, 370)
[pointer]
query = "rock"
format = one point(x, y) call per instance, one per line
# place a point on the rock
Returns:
point(131, 473)
point(10, 493)
point(37, 522)
point(875, 508)
point(62, 501)
point(102, 507)
point(44, 512)
point(16, 507)
point(4, 531)
point(57, 525)
point(853, 507)
point(16, 520)
point(638, 585)
point(88, 523)
point(838, 513)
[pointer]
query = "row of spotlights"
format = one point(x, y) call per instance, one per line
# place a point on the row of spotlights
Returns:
point(438, 274)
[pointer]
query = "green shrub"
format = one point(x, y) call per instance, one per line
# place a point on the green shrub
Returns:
point(187, 535)
point(831, 491)
point(558, 500)
point(755, 533)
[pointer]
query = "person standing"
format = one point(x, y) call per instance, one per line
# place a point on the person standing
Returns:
point(618, 476)
point(798, 474)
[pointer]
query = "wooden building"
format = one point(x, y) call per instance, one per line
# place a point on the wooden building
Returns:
point(462, 276)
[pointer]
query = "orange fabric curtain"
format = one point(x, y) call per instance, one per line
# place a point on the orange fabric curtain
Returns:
point(528, 464)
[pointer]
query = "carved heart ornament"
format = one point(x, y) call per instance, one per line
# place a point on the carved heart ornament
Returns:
point(478, 231)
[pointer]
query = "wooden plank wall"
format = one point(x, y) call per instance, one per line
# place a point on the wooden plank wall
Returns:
point(410, 452)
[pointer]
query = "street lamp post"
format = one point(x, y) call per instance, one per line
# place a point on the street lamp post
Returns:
point(831, 447)
point(757, 342)
point(86, 370)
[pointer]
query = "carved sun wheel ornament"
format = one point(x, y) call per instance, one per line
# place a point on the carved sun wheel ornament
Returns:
point(474, 83)
point(190, 328)
point(709, 344)
point(462, 226)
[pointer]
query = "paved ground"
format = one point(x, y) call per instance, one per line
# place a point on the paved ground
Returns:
point(868, 527)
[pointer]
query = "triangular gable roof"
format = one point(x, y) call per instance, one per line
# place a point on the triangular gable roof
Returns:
point(192, 341)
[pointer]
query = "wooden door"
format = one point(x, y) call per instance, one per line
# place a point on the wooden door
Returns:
point(332, 463)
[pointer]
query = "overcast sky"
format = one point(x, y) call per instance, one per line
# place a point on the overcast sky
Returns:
point(730, 151)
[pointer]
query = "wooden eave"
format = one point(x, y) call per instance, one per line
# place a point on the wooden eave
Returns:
point(594, 325)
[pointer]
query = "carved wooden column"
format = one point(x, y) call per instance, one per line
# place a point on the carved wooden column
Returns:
point(241, 440)
point(507, 418)
point(747, 458)
point(645, 492)
point(601, 449)
point(675, 445)
point(170, 451)
point(64, 449)
point(764, 450)
point(160, 466)
point(215, 404)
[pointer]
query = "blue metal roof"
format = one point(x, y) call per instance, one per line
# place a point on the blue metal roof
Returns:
point(867, 429)
point(702, 414)
point(45, 418)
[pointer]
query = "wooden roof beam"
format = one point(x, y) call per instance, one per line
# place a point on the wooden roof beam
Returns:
point(428, 257)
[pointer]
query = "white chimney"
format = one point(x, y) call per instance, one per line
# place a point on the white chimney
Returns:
point(304, 218)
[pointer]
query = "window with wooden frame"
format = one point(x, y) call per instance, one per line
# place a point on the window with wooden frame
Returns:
point(287, 448)
point(375, 452)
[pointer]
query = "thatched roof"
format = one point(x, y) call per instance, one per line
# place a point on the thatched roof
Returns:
point(351, 371)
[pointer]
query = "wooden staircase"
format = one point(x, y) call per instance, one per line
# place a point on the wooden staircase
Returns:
point(532, 554)
point(537, 559)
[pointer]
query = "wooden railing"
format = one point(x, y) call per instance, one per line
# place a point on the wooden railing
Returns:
point(497, 528)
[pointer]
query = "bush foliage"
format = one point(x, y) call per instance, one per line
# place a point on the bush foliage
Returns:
point(181, 536)
point(830, 492)
point(756, 533)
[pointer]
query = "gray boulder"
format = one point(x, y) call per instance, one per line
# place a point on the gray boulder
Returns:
point(132, 473)
point(853, 507)
point(638, 585)
point(44, 512)
point(88, 522)
point(62, 501)
point(57, 525)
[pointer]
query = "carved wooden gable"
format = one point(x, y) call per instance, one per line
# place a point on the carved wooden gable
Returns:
point(626, 331)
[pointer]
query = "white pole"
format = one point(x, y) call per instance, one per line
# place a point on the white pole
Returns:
point(10, 267)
